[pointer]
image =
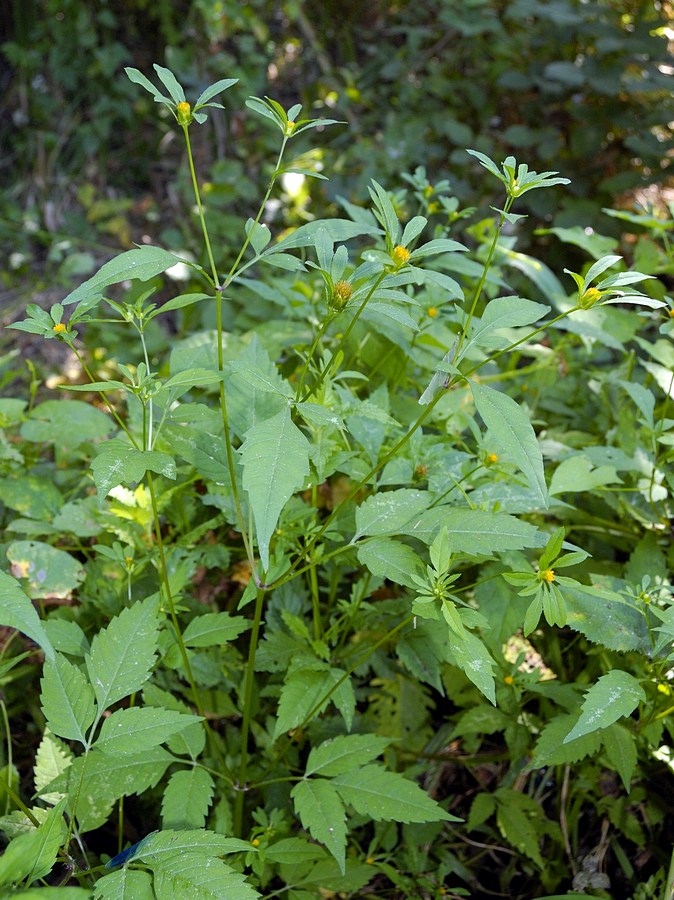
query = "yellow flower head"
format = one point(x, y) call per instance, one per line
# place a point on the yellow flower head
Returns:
point(547, 575)
point(509, 679)
point(59, 328)
point(432, 311)
point(184, 113)
point(589, 298)
point(400, 255)
point(492, 458)
point(341, 294)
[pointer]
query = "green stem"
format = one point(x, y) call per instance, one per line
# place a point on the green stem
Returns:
point(249, 681)
point(111, 408)
point(345, 336)
point(483, 278)
point(312, 350)
point(200, 208)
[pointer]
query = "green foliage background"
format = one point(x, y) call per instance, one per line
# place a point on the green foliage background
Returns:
point(446, 451)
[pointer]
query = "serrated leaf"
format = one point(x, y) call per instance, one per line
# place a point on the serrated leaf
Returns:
point(143, 264)
point(322, 813)
point(621, 749)
point(388, 511)
point(294, 851)
point(131, 731)
point(387, 796)
point(516, 816)
point(511, 427)
point(67, 699)
point(390, 559)
point(213, 629)
point(304, 688)
point(51, 760)
point(127, 465)
point(16, 611)
point(615, 695)
point(126, 884)
point(550, 749)
point(200, 877)
point(474, 531)
point(161, 846)
point(187, 799)
point(275, 460)
point(67, 423)
point(191, 740)
point(482, 807)
point(474, 659)
point(348, 751)
point(123, 654)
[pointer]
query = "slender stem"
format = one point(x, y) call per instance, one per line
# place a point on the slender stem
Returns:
point(197, 196)
point(249, 680)
point(319, 334)
point(345, 336)
point(111, 408)
point(483, 278)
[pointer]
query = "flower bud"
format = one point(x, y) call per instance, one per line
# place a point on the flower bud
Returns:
point(547, 575)
point(184, 113)
point(589, 298)
point(400, 256)
point(59, 328)
point(341, 294)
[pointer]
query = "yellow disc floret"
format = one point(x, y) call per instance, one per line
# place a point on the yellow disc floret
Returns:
point(547, 575)
point(184, 113)
point(400, 256)
point(341, 294)
point(589, 298)
point(59, 328)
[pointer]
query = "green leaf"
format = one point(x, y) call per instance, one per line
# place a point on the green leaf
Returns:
point(615, 695)
point(339, 230)
point(606, 618)
point(32, 855)
point(188, 742)
point(213, 629)
point(16, 611)
point(217, 88)
point(390, 559)
point(511, 427)
point(621, 750)
point(385, 212)
point(577, 474)
point(474, 659)
point(388, 511)
point(187, 799)
point(516, 817)
point(169, 81)
point(348, 751)
point(96, 782)
point(52, 759)
point(321, 812)
point(474, 531)
point(200, 877)
point(131, 731)
point(125, 884)
point(127, 465)
point(138, 78)
point(38, 498)
point(482, 807)
point(67, 699)
point(50, 572)
point(161, 847)
point(143, 264)
point(305, 686)
point(68, 423)
point(551, 750)
point(275, 459)
point(387, 796)
point(504, 312)
point(123, 654)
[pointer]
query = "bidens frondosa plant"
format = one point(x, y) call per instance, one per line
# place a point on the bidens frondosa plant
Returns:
point(286, 579)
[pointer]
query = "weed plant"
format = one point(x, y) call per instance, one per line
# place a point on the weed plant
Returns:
point(368, 597)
